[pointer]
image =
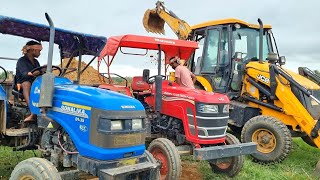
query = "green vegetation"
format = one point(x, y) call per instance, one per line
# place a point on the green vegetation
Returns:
point(2, 75)
point(299, 165)
point(9, 158)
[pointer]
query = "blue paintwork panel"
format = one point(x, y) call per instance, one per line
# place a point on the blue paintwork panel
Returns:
point(3, 97)
point(72, 105)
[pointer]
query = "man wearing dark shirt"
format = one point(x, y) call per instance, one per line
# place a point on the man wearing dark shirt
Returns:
point(25, 65)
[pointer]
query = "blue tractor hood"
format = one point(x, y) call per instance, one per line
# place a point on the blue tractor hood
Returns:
point(66, 91)
point(76, 107)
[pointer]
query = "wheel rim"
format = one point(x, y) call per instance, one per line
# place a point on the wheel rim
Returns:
point(265, 139)
point(161, 157)
point(223, 165)
point(27, 177)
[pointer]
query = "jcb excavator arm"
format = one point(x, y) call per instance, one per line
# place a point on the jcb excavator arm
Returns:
point(306, 72)
point(154, 20)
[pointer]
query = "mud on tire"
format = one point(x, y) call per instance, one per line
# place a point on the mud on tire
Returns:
point(230, 166)
point(273, 138)
point(165, 152)
point(35, 168)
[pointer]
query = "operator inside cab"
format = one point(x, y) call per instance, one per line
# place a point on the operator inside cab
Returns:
point(183, 76)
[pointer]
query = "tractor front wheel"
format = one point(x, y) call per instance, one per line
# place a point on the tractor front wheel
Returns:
point(34, 169)
point(230, 166)
point(273, 138)
point(166, 153)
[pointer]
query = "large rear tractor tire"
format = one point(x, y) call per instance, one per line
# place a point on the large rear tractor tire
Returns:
point(230, 166)
point(273, 138)
point(34, 169)
point(166, 153)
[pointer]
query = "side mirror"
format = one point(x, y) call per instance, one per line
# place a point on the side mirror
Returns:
point(282, 60)
point(145, 75)
point(238, 56)
point(272, 57)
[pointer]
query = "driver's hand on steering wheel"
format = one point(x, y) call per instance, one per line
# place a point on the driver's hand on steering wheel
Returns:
point(36, 73)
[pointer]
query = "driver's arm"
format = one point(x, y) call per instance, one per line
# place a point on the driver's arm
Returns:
point(22, 67)
point(38, 72)
point(178, 81)
point(194, 77)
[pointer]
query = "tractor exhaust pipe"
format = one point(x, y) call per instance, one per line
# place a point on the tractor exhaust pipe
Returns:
point(260, 41)
point(47, 84)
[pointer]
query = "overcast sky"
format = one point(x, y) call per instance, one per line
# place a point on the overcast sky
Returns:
point(295, 23)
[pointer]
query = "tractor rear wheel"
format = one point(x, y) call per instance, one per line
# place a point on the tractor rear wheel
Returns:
point(166, 153)
point(230, 166)
point(273, 138)
point(34, 169)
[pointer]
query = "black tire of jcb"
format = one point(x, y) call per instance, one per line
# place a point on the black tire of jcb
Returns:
point(307, 140)
point(280, 131)
point(236, 162)
point(172, 154)
point(38, 168)
point(155, 173)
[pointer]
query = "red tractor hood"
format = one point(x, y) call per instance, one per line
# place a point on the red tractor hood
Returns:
point(177, 92)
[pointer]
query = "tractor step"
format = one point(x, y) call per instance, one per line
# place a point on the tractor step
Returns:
point(114, 173)
point(18, 132)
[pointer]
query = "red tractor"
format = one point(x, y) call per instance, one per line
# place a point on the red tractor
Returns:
point(179, 120)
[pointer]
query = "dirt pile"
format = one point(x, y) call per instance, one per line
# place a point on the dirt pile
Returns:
point(89, 76)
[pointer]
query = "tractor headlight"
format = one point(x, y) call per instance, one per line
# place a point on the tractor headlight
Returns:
point(116, 125)
point(136, 124)
point(208, 108)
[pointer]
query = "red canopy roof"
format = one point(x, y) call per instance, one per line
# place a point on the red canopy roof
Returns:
point(171, 47)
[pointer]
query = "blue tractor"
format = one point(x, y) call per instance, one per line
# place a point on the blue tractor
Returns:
point(79, 128)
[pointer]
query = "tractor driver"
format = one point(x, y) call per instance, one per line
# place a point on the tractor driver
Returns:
point(25, 65)
point(183, 76)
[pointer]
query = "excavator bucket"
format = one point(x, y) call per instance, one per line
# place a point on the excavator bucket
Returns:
point(152, 22)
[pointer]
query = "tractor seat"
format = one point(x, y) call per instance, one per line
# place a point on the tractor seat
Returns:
point(16, 92)
point(139, 87)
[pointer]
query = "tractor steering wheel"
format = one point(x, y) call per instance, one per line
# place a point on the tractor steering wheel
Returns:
point(3, 75)
point(45, 66)
point(152, 79)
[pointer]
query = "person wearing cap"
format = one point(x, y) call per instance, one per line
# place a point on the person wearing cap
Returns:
point(24, 66)
point(183, 76)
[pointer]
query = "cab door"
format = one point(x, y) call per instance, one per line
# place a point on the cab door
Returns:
point(211, 60)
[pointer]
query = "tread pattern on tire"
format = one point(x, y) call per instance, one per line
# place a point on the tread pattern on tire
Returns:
point(45, 168)
point(173, 154)
point(284, 138)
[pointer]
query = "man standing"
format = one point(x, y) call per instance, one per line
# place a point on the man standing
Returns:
point(25, 65)
point(183, 76)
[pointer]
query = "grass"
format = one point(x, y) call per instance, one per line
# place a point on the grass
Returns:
point(10, 158)
point(300, 164)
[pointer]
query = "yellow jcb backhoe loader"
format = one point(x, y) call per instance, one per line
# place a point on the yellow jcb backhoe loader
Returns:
point(270, 104)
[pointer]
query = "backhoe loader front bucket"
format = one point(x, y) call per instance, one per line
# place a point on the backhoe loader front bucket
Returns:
point(152, 22)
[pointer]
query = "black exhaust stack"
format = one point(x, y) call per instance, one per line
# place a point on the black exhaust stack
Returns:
point(158, 81)
point(47, 84)
point(260, 41)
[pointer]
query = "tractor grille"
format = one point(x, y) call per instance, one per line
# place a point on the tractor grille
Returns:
point(209, 126)
point(102, 136)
